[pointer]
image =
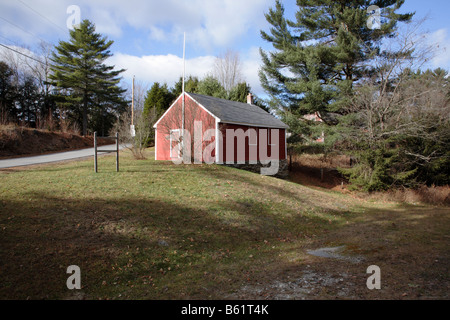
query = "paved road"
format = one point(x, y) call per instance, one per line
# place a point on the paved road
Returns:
point(54, 157)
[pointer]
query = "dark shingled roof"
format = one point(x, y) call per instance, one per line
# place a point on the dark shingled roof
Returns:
point(237, 112)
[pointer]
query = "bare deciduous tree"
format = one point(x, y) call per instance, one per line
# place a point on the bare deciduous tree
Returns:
point(400, 116)
point(391, 100)
point(143, 122)
point(41, 72)
point(16, 62)
point(227, 69)
point(140, 90)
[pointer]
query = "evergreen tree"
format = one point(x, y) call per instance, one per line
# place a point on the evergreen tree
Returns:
point(8, 93)
point(210, 86)
point(28, 101)
point(319, 56)
point(158, 97)
point(79, 69)
point(239, 92)
point(322, 61)
point(191, 85)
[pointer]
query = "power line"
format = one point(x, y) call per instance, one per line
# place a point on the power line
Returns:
point(15, 25)
point(14, 43)
point(41, 15)
point(23, 54)
point(27, 72)
point(9, 40)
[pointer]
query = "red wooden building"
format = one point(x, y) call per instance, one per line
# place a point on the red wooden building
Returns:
point(220, 131)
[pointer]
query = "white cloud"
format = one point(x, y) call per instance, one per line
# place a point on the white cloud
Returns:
point(169, 68)
point(105, 22)
point(441, 40)
point(157, 34)
point(209, 23)
point(21, 59)
point(161, 68)
point(211, 26)
point(251, 63)
point(19, 17)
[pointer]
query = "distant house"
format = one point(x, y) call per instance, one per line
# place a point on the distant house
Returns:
point(316, 117)
point(324, 117)
point(219, 131)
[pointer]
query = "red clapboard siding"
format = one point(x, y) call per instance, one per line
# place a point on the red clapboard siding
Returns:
point(255, 137)
point(252, 143)
point(172, 120)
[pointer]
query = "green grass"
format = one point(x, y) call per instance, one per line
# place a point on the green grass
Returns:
point(224, 228)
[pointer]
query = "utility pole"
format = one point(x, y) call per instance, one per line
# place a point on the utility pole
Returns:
point(132, 130)
point(132, 103)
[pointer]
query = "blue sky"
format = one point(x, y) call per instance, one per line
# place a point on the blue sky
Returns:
point(148, 35)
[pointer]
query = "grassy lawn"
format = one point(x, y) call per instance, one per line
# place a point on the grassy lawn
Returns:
point(156, 230)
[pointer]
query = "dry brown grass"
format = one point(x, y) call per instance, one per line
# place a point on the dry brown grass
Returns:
point(305, 169)
point(319, 161)
point(6, 127)
point(18, 141)
point(224, 229)
point(9, 131)
point(437, 195)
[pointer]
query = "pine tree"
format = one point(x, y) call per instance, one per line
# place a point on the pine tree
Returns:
point(158, 97)
point(239, 92)
point(79, 69)
point(190, 85)
point(8, 94)
point(28, 101)
point(321, 55)
point(210, 86)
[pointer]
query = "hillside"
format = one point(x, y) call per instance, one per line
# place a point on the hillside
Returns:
point(157, 230)
point(19, 141)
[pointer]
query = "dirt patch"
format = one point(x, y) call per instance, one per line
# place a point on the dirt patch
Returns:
point(410, 245)
point(19, 141)
point(309, 285)
point(317, 177)
point(335, 253)
point(319, 171)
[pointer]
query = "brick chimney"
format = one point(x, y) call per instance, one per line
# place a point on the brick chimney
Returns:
point(249, 98)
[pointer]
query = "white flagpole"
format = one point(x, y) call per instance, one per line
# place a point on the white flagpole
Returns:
point(183, 98)
point(184, 60)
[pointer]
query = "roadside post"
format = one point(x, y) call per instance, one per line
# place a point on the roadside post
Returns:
point(96, 151)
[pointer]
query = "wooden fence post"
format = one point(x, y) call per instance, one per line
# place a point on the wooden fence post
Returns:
point(95, 151)
point(117, 151)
